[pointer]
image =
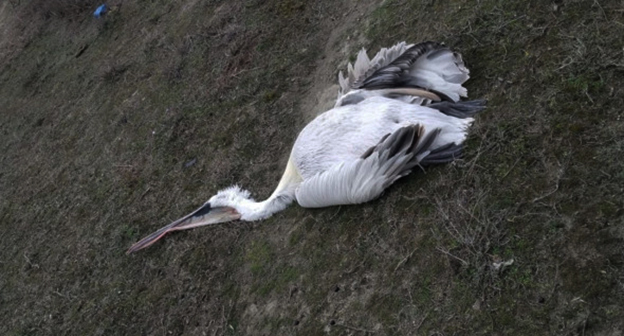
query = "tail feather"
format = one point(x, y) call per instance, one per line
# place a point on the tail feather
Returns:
point(462, 109)
point(446, 63)
point(444, 154)
point(441, 70)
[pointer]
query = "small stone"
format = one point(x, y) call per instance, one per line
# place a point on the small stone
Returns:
point(190, 163)
point(477, 305)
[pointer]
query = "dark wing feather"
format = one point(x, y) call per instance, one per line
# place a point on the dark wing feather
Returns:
point(396, 74)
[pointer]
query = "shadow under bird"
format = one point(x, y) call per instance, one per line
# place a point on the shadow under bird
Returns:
point(395, 112)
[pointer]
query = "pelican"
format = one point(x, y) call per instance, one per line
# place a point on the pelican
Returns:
point(395, 112)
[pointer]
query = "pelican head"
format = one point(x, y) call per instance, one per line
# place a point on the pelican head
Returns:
point(220, 208)
point(227, 205)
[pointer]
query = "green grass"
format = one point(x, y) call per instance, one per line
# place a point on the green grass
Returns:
point(99, 118)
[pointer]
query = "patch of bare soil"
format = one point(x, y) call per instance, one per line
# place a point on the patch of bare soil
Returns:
point(345, 34)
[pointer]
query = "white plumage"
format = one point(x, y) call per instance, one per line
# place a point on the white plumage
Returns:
point(395, 112)
point(328, 151)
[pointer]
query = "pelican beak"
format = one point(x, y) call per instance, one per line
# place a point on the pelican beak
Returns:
point(204, 215)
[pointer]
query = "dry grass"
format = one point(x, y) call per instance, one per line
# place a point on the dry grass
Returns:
point(101, 121)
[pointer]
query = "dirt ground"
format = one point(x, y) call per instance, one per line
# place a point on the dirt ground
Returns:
point(110, 128)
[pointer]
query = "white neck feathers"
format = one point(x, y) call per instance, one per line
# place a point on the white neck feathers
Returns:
point(249, 209)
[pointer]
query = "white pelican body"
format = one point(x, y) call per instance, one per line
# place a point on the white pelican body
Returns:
point(336, 140)
point(345, 133)
point(384, 124)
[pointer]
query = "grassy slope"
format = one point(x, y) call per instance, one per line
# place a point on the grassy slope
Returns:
point(94, 149)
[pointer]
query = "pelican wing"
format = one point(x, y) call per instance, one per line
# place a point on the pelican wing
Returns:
point(364, 179)
point(364, 67)
point(428, 70)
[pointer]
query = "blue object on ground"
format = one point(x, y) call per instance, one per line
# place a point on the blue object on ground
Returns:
point(100, 11)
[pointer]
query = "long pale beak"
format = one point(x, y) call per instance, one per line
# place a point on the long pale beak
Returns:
point(204, 215)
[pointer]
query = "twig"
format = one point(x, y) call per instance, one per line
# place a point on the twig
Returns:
point(604, 14)
point(421, 322)
point(479, 152)
point(223, 321)
point(61, 295)
point(470, 214)
point(588, 96)
point(566, 62)
point(548, 194)
point(451, 255)
point(559, 175)
point(30, 263)
point(245, 70)
point(510, 169)
point(404, 260)
point(145, 192)
point(511, 21)
point(355, 267)
point(226, 319)
point(604, 173)
point(335, 213)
